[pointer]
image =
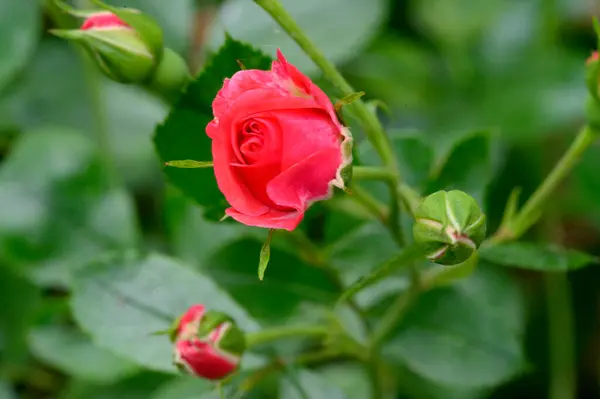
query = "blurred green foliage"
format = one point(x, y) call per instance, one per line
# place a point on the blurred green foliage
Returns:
point(492, 91)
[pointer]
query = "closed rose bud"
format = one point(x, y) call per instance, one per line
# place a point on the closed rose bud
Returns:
point(277, 145)
point(127, 45)
point(118, 49)
point(208, 344)
point(449, 226)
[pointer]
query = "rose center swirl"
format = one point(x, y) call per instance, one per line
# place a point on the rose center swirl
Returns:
point(251, 141)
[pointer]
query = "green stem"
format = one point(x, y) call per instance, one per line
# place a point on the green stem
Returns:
point(531, 210)
point(274, 334)
point(560, 319)
point(403, 193)
point(370, 203)
point(372, 173)
point(368, 119)
point(409, 197)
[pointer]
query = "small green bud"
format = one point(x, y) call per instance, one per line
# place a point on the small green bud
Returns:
point(449, 226)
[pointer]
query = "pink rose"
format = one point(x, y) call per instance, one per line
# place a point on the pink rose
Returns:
point(277, 145)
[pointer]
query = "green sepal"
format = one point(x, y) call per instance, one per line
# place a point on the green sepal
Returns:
point(211, 320)
point(189, 163)
point(118, 52)
point(449, 227)
point(592, 77)
point(265, 255)
point(346, 100)
point(592, 112)
point(232, 341)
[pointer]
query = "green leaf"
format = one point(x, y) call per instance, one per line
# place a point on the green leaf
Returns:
point(463, 20)
point(357, 252)
point(325, 22)
point(405, 259)
point(57, 208)
point(19, 28)
point(468, 166)
point(71, 352)
point(140, 386)
point(185, 387)
point(415, 156)
point(351, 378)
point(313, 386)
point(439, 275)
point(288, 284)
point(541, 257)
point(469, 335)
point(19, 300)
point(122, 301)
point(414, 386)
point(131, 113)
point(194, 238)
point(6, 392)
point(182, 135)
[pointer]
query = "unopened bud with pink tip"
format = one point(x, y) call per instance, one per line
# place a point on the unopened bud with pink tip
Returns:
point(208, 344)
point(127, 45)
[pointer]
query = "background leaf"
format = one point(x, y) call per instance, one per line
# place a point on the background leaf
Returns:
point(541, 257)
point(183, 388)
point(69, 351)
point(6, 392)
point(324, 22)
point(19, 28)
point(314, 387)
point(466, 336)
point(121, 302)
point(57, 209)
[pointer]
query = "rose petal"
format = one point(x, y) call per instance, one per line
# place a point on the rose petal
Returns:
point(306, 181)
point(238, 84)
point(192, 315)
point(288, 73)
point(306, 132)
point(203, 360)
point(255, 178)
point(271, 220)
point(237, 194)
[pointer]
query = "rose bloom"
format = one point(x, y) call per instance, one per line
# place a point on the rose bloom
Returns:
point(277, 145)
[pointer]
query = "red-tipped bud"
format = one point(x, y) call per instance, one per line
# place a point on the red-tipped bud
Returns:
point(208, 344)
point(103, 19)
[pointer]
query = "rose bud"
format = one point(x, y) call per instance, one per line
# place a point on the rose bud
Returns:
point(208, 344)
point(277, 145)
point(119, 50)
point(449, 226)
point(127, 46)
